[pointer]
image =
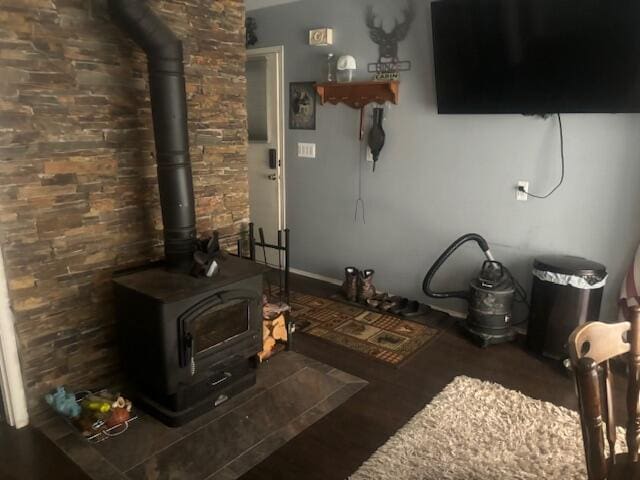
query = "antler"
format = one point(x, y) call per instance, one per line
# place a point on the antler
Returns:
point(402, 29)
point(375, 31)
point(371, 18)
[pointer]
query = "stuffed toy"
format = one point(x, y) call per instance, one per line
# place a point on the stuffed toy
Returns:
point(64, 403)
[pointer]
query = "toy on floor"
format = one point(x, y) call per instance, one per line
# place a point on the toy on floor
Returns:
point(64, 403)
point(97, 415)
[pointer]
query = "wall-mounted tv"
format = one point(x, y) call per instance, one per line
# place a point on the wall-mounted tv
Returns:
point(537, 56)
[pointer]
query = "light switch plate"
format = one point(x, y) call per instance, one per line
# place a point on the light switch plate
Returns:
point(307, 150)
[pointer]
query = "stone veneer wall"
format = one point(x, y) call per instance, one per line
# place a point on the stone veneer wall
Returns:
point(78, 190)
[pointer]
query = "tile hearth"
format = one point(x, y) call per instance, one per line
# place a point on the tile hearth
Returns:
point(292, 392)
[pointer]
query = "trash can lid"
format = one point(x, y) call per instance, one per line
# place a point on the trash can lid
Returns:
point(569, 265)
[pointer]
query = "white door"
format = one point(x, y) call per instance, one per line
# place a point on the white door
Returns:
point(266, 145)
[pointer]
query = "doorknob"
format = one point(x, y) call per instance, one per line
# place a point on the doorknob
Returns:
point(273, 177)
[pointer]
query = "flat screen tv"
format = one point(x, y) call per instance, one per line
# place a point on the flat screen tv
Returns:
point(537, 56)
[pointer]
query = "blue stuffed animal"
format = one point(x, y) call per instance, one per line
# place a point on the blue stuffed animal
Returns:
point(64, 402)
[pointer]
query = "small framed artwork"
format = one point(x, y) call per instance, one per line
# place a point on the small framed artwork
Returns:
point(302, 106)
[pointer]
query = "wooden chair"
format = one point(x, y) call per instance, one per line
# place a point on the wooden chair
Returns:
point(591, 347)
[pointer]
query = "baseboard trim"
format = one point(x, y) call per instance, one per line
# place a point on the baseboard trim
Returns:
point(315, 276)
point(335, 281)
point(452, 313)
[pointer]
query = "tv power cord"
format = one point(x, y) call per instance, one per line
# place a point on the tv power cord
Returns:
point(542, 197)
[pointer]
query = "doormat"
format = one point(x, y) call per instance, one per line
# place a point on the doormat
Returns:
point(431, 314)
point(383, 337)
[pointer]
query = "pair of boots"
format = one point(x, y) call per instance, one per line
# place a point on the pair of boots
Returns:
point(358, 285)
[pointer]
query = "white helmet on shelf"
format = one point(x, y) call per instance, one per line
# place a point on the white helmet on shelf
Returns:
point(346, 62)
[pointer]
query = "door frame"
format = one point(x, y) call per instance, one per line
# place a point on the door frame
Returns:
point(11, 385)
point(280, 128)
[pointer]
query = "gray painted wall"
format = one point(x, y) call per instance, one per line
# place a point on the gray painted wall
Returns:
point(442, 176)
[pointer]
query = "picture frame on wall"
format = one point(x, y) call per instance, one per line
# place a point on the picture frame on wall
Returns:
point(302, 106)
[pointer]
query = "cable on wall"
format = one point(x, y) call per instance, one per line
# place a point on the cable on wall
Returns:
point(542, 197)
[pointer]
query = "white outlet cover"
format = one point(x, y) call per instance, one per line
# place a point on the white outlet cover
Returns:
point(522, 196)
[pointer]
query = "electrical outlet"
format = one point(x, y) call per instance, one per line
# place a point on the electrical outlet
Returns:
point(520, 195)
point(307, 150)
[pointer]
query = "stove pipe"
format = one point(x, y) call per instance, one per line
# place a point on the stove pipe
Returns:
point(169, 109)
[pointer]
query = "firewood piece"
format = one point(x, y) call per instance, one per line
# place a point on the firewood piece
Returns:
point(280, 331)
point(267, 348)
point(267, 328)
point(268, 344)
point(271, 311)
point(262, 356)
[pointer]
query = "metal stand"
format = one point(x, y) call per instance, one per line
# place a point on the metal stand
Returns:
point(280, 247)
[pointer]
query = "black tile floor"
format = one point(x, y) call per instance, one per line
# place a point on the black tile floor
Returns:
point(292, 392)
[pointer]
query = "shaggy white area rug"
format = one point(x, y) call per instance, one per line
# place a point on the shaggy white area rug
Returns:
point(475, 430)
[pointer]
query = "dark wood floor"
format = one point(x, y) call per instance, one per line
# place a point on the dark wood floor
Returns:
point(28, 455)
point(334, 447)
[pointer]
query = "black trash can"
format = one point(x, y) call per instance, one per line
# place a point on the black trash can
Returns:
point(567, 291)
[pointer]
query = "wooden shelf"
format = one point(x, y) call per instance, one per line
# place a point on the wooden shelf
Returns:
point(359, 94)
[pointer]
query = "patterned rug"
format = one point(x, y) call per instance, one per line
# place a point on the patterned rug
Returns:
point(384, 337)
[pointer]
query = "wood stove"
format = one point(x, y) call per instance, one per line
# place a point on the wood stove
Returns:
point(188, 343)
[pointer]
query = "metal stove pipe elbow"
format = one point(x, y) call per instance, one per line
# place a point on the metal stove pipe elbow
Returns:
point(169, 109)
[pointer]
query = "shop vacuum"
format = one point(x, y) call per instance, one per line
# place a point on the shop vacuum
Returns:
point(490, 296)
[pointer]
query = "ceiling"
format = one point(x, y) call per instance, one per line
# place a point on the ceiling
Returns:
point(255, 4)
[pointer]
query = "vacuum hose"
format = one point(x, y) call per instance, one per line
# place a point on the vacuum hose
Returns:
point(426, 284)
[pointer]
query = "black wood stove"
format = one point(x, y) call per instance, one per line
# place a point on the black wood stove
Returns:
point(188, 343)
point(187, 333)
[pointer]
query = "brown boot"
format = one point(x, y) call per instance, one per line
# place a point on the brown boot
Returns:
point(350, 285)
point(366, 290)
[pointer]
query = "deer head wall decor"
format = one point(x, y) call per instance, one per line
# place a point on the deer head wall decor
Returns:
point(388, 41)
